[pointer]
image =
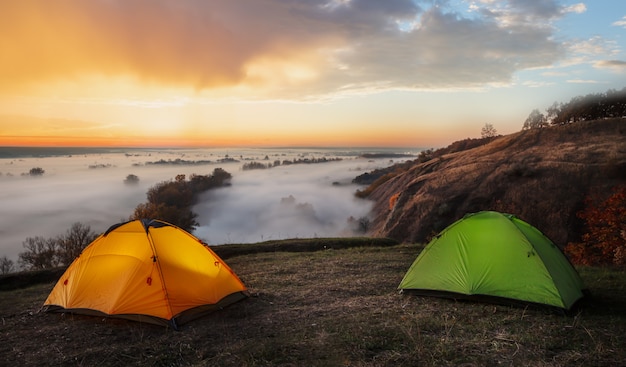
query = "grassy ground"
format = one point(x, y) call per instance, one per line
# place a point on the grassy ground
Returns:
point(336, 307)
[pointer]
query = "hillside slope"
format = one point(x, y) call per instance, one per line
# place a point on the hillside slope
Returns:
point(540, 175)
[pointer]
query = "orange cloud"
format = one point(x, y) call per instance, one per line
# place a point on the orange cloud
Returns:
point(183, 43)
point(304, 48)
point(42, 40)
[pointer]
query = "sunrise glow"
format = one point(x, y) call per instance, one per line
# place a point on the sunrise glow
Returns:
point(245, 73)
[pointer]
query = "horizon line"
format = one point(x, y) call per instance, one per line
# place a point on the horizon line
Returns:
point(207, 147)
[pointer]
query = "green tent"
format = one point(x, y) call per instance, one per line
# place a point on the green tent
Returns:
point(498, 256)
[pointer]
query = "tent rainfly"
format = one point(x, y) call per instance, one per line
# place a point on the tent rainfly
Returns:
point(149, 271)
point(498, 257)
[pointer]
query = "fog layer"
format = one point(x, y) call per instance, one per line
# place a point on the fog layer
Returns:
point(283, 202)
point(303, 200)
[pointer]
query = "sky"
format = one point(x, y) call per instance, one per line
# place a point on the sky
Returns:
point(326, 73)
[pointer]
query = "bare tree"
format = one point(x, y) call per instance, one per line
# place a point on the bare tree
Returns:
point(72, 244)
point(44, 253)
point(488, 131)
point(40, 253)
point(6, 265)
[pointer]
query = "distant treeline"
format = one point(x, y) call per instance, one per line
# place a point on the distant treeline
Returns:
point(610, 104)
point(385, 155)
point(286, 162)
point(185, 162)
point(41, 152)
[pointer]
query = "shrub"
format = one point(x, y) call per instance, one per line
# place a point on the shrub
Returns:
point(360, 225)
point(37, 171)
point(131, 180)
point(393, 200)
point(604, 243)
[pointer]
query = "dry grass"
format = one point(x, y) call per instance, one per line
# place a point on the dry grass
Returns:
point(328, 308)
point(540, 175)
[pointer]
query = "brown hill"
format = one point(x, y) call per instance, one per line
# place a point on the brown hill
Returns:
point(540, 175)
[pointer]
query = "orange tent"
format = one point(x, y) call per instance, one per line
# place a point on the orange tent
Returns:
point(146, 270)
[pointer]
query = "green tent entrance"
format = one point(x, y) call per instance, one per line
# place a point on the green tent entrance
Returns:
point(498, 256)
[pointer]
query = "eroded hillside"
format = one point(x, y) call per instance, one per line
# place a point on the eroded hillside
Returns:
point(540, 175)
